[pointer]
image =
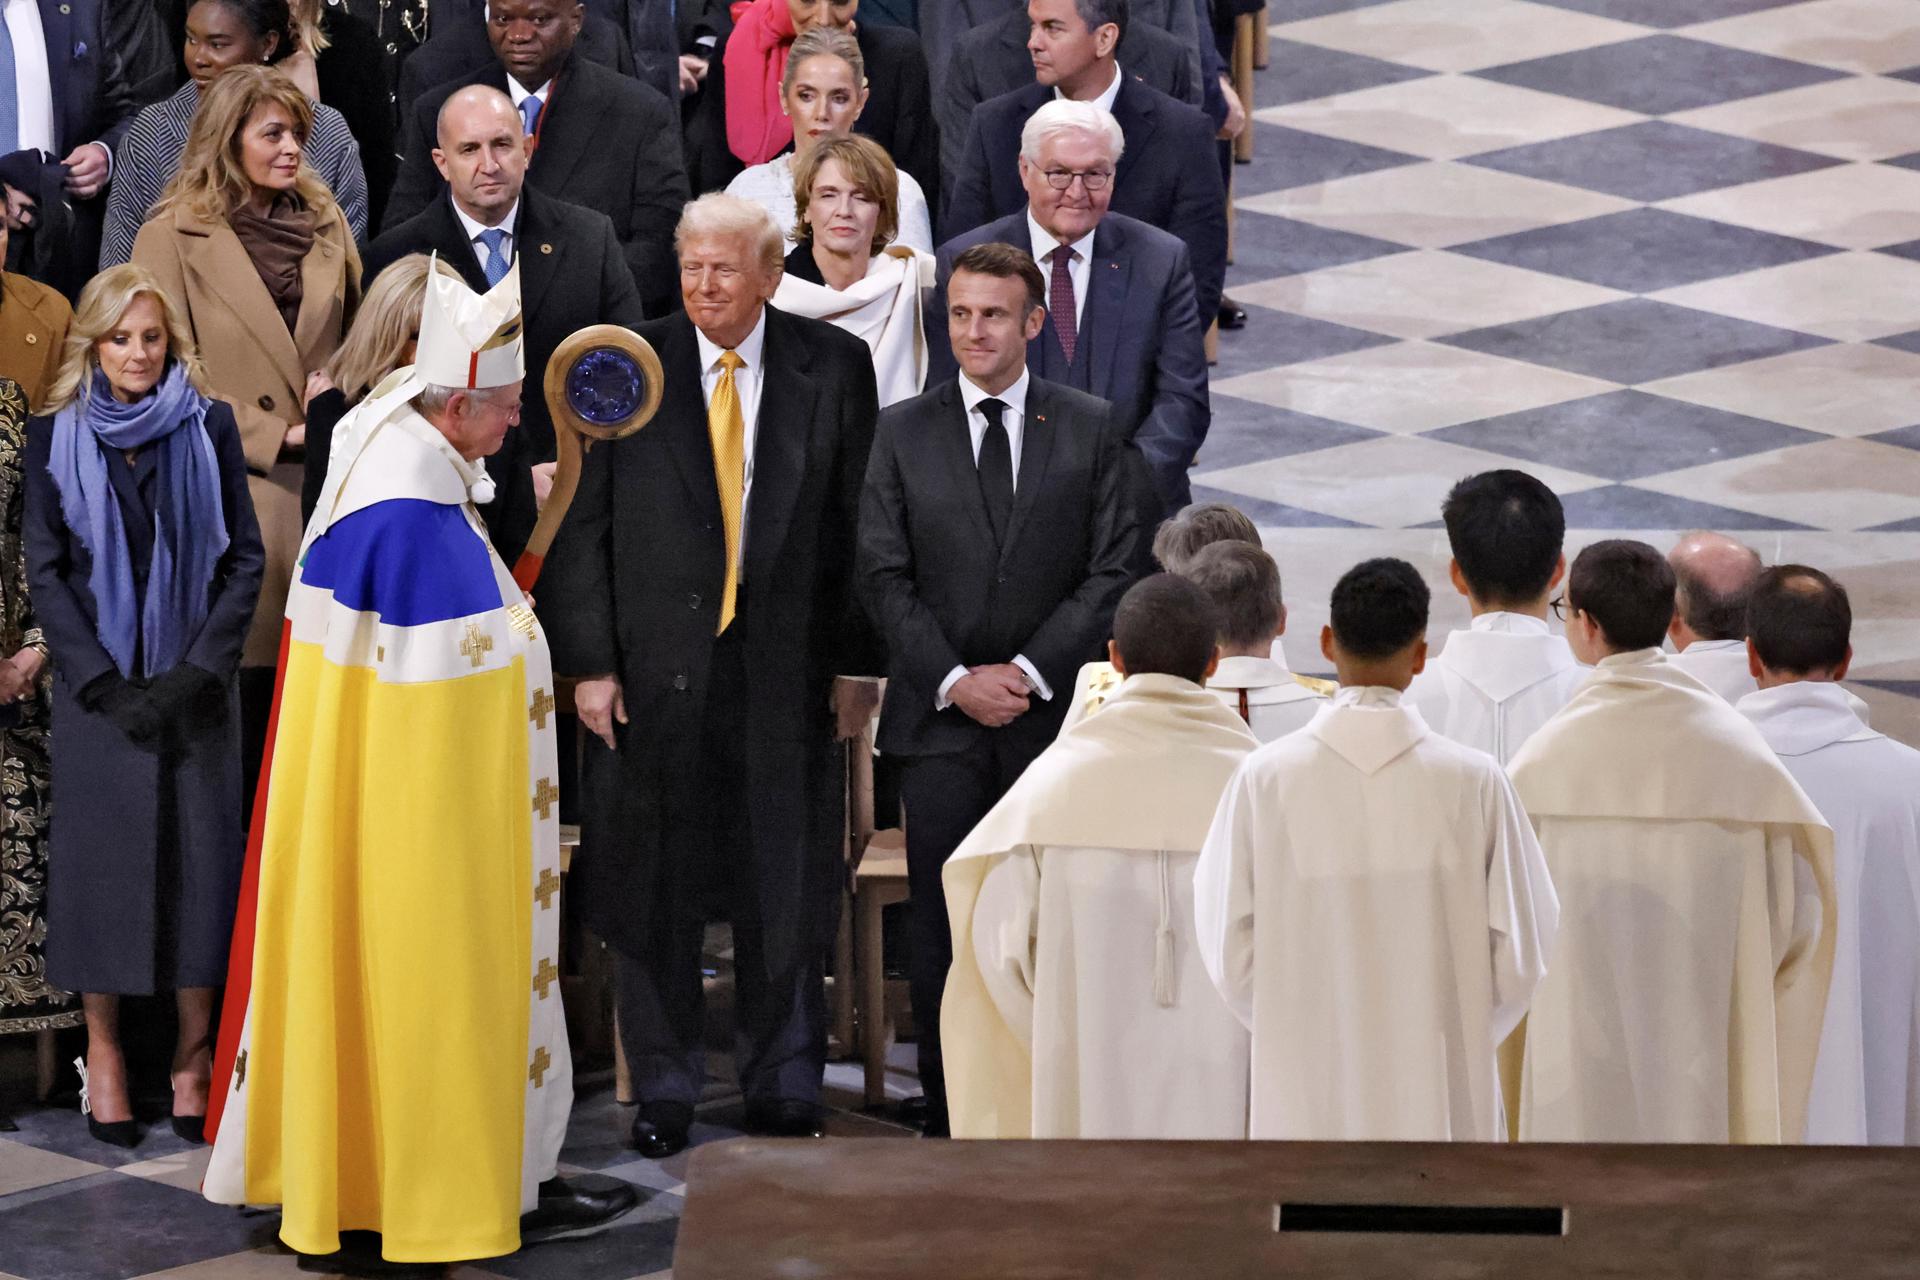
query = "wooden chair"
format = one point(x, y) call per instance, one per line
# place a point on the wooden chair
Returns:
point(879, 881)
point(1245, 35)
point(1262, 39)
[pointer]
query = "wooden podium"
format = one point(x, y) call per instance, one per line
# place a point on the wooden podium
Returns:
point(856, 1208)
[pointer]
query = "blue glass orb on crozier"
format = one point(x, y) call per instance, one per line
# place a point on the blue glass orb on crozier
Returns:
point(606, 387)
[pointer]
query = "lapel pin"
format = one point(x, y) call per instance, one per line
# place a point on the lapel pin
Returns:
point(546, 248)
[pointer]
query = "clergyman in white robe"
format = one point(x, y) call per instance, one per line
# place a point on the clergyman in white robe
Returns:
point(1721, 665)
point(1372, 904)
point(1696, 918)
point(1866, 1083)
point(1076, 1006)
point(1496, 682)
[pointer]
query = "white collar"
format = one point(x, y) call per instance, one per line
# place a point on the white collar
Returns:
point(1715, 646)
point(1107, 95)
point(1519, 624)
point(1502, 654)
point(1265, 681)
point(1648, 657)
point(1044, 242)
point(520, 93)
point(474, 228)
point(1368, 727)
point(1806, 715)
point(1014, 397)
point(749, 350)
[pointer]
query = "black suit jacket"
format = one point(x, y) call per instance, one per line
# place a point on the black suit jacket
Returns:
point(1141, 335)
point(458, 47)
point(943, 594)
point(1169, 174)
point(356, 79)
point(607, 142)
point(633, 586)
point(91, 100)
point(572, 274)
point(991, 60)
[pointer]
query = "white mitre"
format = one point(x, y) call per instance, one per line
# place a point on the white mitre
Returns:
point(471, 340)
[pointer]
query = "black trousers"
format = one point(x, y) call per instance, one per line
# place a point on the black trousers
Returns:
point(944, 798)
point(780, 1038)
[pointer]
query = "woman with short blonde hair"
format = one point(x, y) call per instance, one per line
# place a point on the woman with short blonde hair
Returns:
point(144, 560)
point(253, 249)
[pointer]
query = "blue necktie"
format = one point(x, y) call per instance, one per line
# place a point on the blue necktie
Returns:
point(9, 95)
point(530, 108)
point(495, 267)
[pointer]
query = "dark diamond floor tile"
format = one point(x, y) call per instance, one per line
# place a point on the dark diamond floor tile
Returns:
point(1624, 435)
point(1634, 341)
point(1905, 437)
point(1301, 159)
point(64, 1129)
point(1909, 341)
point(1265, 247)
point(1300, 72)
point(1621, 506)
point(1296, 10)
point(1274, 514)
point(123, 1227)
point(636, 1247)
point(1285, 338)
point(1909, 161)
point(1910, 73)
point(1898, 526)
point(1643, 250)
point(1654, 160)
point(1910, 249)
point(1244, 432)
point(1905, 688)
point(1659, 74)
point(1667, 13)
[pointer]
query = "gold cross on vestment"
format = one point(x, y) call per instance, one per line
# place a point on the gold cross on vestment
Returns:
point(537, 1072)
point(521, 619)
point(548, 886)
point(541, 709)
point(239, 1071)
point(476, 646)
point(543, 797)
point(544, 977)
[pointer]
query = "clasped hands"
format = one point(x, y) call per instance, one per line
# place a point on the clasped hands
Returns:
point(994, 695)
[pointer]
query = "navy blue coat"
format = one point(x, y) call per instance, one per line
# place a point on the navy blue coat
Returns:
point(91, 100)
point(1140, 337)
point(1169, 175)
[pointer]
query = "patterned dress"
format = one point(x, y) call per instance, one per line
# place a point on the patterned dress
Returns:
point(27, 1003)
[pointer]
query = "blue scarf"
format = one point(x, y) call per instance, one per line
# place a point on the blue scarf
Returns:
point(189, 523)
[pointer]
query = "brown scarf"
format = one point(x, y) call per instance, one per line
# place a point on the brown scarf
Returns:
point(278, 242)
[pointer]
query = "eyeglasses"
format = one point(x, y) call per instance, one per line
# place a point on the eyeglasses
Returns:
point(1092, 179)
point(1559, 606)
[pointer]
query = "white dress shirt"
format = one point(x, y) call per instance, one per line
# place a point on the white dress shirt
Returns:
point(746, 384)
point(1014, 418)
point(520, 93)
point(32, 79)
point(1108, 94)
point(1079, 266)
point(473, 230)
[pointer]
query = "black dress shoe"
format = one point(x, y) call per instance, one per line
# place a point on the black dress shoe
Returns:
point(785, 1118)
point(7, 1125)
point(115, 1133)
point(1232, 314)
point(568, 1209)
point(660, 1130)
point(190, 1129)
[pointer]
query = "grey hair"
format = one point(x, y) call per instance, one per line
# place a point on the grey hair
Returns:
point(719, 214)
point(434, 398)
point(1064, 115)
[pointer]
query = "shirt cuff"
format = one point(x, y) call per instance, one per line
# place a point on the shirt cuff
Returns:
point(109, 150)
point(1040, 686)
point(940, 700)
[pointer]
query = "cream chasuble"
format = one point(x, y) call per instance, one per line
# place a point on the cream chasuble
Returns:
point(1372, 903)
point(1866, 1085)
point(1721, 665)
point(1076, 1006)
point(1697, 919)
point(1496, 682)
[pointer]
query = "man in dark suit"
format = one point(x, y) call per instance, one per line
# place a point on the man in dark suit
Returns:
point(1122, 323)
point(1167, 176)
point(572, 272)
point(702, 589)
point(995, 538)
point(458, 47)
point(600, 139)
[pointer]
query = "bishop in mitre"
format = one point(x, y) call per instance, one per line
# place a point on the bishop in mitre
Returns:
point(393, 1057)
point(1371, 903)
point(1696, 893)
point(1866, 1081)
point(1243, 582)
point(1502, 677)
point(1076, 1006)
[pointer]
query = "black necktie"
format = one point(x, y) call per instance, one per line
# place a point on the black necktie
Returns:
point(996, 468)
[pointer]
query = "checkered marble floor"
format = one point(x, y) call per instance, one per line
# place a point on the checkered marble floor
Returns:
point(1661, 253)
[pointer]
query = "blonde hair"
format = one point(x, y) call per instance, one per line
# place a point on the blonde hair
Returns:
point(867, 166)
point(388, 319)
point(212, 182)
point(817, 42)
point(307, 31)
point(102, 303)
point(719, 214)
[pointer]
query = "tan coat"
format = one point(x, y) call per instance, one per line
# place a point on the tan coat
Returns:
point(33, 329)
point(256, 366)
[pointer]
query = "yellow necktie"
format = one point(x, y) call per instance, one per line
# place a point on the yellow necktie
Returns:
point(729, 432)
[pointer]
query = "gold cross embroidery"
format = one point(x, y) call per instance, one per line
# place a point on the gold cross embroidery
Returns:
point(520, 618)
point(537, 1072)
point(544, 977)
point(543, 797)
point(239, 1071)
point(542, 708)
point(548, 886)
point(477, 645)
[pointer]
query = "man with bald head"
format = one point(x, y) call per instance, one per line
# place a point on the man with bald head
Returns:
point(572, 270)
point(1713, 576)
